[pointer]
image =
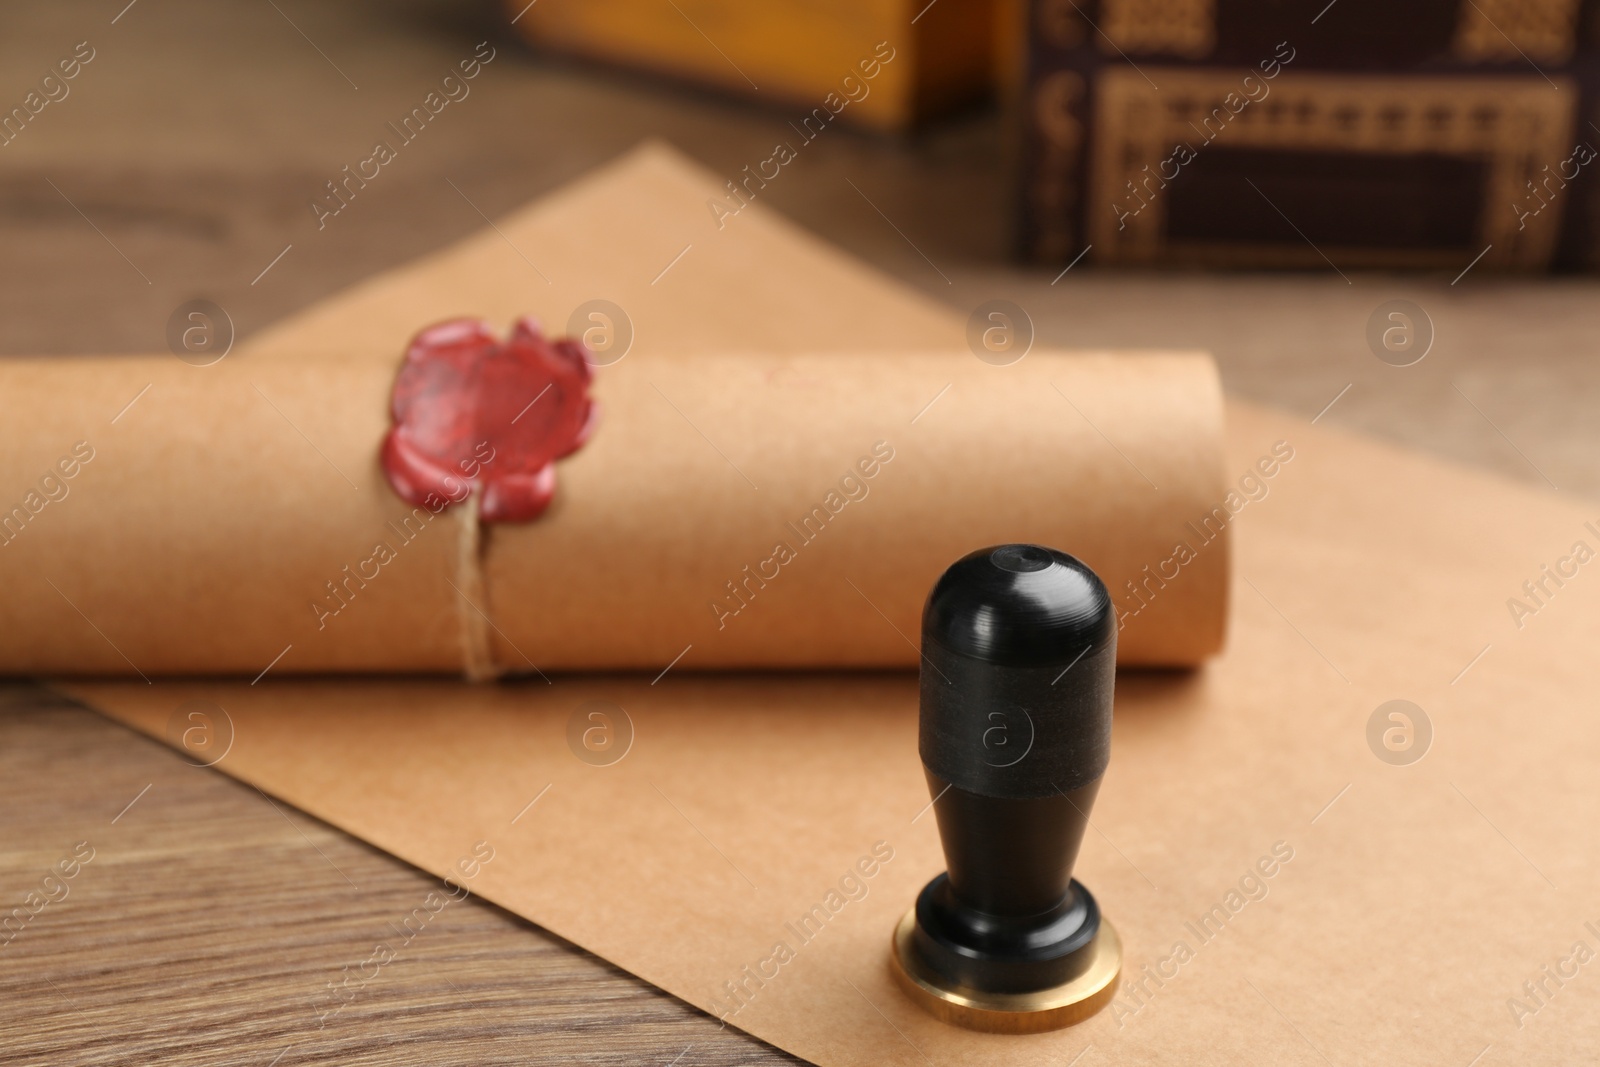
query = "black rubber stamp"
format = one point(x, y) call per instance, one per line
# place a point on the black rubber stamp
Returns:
point(1019, 647)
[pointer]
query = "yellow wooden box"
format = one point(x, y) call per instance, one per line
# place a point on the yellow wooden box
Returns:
point(906, 60)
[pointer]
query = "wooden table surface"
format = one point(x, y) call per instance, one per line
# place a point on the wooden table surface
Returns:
point(211, 920)
point(212, 923)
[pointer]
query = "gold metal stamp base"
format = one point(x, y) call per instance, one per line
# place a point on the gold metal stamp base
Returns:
point(1009, 1013)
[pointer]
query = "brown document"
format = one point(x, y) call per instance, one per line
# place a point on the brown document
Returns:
point(736, 510)
point(1405, 905)
point(640, 233)
point(1287, 887)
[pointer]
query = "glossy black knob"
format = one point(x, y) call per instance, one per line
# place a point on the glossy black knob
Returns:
point(1018, 670)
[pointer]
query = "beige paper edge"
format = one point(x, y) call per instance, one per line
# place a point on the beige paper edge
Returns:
point(636, 232)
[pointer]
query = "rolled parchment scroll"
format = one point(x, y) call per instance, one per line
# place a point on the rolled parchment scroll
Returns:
point(727, 511)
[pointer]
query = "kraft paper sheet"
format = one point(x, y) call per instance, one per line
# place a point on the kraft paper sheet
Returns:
point(637, 233)
point(1413, 907)
point(1416, 902)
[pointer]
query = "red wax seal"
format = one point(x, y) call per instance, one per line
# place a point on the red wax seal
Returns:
point(470, 410)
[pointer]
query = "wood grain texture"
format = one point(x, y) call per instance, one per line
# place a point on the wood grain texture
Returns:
point(211, 920)
point(209, 923)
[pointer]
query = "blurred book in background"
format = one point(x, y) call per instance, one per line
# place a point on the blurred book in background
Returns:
point(1261, 133)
